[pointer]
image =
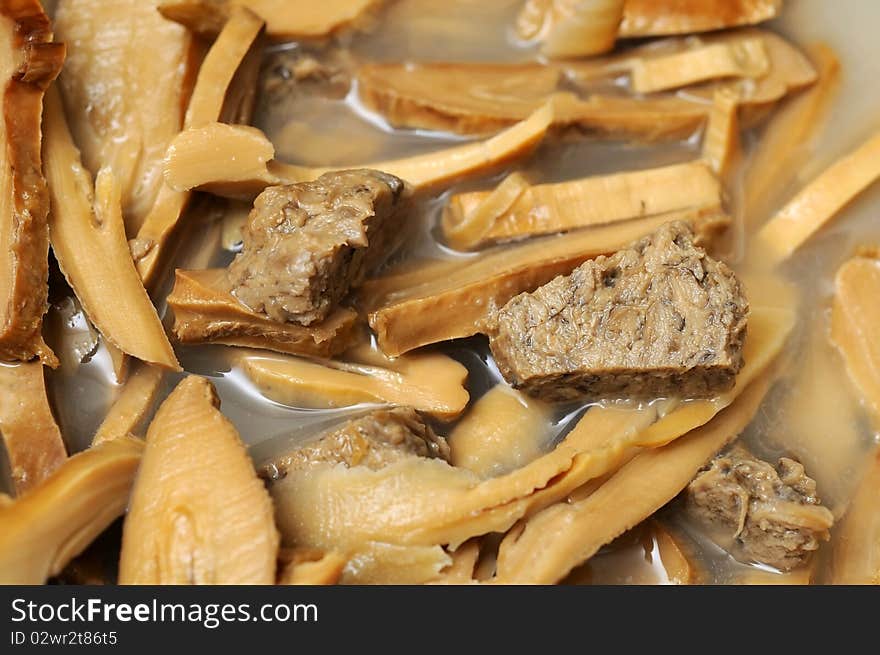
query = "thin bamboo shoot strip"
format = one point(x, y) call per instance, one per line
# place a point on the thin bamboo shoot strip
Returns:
point(34, 445)
point(721, 138)
point(88, 239)
point(856, 544)
point(131, 406)
point(547, 208)
point(820, 201)
point(582, 27)
point(241, 159)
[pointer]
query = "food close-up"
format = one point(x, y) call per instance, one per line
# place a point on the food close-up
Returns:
point(471, 292)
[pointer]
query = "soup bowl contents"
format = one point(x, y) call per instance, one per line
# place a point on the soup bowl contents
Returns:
point(419, 292)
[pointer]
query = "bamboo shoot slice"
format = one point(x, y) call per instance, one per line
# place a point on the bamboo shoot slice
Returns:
point(242, 164)
point(57, 519)
point(286, 20)
point(856, 545)
point(125, 102)
point(198, 513)
point(503, 431)
point(551, 543)
point(819, 201)
point(464, 563)
point(34, 445)
point(660, 17)
point(308, 567)
point(855, 329)
point(239, 36)
point(29, 61)
point(429, 382)
point(745, 59)
point(547, 208)
point(88, 239)
point(465, 231)
point(721, 139)
point(772, 166)
point(130, 408)
point(405, 318)
point(206, 312)
point(577, 28)
point(422, 502)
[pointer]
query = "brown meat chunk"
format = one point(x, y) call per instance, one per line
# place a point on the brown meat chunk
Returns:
point(770, 515)
point(307, 244)
point(374, 440)
point(659, 317)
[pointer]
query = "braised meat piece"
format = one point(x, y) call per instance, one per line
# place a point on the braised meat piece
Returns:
point(657, 318)
point(305, 245)
point(374, 440)
point(770, 515)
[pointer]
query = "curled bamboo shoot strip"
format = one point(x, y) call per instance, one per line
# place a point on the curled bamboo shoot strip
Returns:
point(587, 202)
point(855, 325)
point(238, 36)
point(582, 27)
point(465, 231)
point(130, 408)
point(429, 382)
point(198, 513)
point(548, 545)
point(237, 161)
point(34, 444)
point(88, 239)
point(819, 201)
point(55, 521)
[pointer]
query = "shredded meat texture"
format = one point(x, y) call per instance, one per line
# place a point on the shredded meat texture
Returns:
point(771, 515)
point(306, 245)
point(657, 318)
point(374, 440)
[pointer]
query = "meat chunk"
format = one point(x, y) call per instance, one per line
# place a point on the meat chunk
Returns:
point(374, 440)
point(770, 515)
point(307, 244)
point(657, 318)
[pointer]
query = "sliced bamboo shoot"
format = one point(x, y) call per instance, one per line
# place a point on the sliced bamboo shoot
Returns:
point(554, 541)
point(198, 513)
point(429, 382)
point(57, 519)
point(465, 230)
point(547, 208)
point(676, 555)
point(308, 567)
point(464, 563)
point(721, 139)
point(660, 17)
point(125, 101)
point(855, 325)
point(818, 202)
point(206, 312)
point(856, 544)
point(34, 446)
point(577, 28)
point(130, 408)
point(29, 61)
point(405, 317)
point(88, 239)
point(239, 37)
point(773, 163)
point(423, 502)
point(286, 20)
point(503, 431)
point(241, 159)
